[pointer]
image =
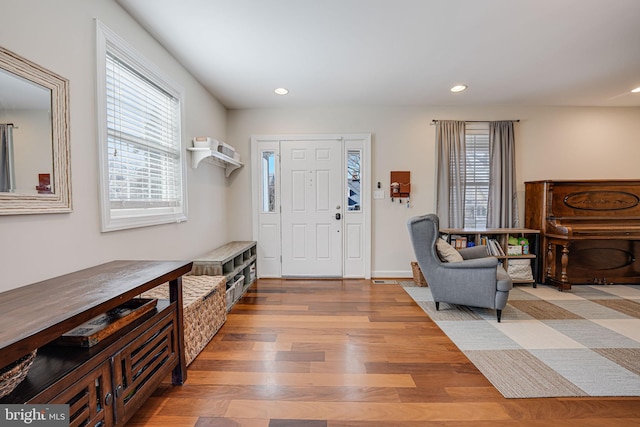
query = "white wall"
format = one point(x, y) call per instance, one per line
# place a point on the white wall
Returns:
point(60, 35)
point(552, 143)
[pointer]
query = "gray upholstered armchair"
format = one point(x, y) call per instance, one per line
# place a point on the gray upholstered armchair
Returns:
point(477, 281)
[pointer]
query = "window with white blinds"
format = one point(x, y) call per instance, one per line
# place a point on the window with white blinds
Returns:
point(477, 175)
point(141, 156)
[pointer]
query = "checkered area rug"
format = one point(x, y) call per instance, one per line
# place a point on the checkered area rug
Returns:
point(582, 342)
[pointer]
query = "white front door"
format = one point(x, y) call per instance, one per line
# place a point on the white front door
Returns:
point(312, 210)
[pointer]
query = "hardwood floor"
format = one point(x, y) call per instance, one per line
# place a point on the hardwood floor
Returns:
point(328, 353)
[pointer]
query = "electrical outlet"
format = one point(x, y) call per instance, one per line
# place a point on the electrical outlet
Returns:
point(378, 194)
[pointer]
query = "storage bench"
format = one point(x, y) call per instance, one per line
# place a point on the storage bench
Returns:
point(205, 310)
point(234, 260)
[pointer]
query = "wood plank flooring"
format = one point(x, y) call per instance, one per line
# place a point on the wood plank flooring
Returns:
point(349, 353)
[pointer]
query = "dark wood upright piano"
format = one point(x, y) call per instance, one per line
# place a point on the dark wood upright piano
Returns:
point(589, 229)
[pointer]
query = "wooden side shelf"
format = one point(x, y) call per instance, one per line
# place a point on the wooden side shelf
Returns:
point(501, 235)
point(104, 384)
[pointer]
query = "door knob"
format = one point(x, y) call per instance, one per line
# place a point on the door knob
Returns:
point(338, 216)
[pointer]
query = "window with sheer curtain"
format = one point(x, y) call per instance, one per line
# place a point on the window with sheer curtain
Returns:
point(140, 145)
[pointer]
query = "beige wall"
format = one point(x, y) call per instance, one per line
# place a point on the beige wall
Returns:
point(60, 35)
point(552, 143)
point(557, 143)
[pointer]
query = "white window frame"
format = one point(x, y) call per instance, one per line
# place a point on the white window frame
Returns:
point(113, 218)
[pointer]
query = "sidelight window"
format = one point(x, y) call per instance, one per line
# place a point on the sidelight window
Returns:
point(353, 180)
point(268, 181)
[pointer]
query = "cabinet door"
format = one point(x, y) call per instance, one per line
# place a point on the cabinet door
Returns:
point(90, 399)
point(142, 364)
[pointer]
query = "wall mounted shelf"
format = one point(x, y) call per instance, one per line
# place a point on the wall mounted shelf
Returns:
point(215, 158)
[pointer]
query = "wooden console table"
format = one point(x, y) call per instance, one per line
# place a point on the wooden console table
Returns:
point(106, 383)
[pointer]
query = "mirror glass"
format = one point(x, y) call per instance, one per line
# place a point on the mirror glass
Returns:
point(25, 108)
point(34, 138)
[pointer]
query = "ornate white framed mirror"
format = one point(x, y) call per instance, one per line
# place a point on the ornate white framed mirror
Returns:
point(35, 166)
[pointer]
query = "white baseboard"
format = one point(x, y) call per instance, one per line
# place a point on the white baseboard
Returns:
point(396, 274)
point(386, 274)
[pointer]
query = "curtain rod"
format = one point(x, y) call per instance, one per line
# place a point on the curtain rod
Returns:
point(434, 121)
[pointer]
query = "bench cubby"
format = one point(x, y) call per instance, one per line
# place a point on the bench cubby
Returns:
point(231, 260)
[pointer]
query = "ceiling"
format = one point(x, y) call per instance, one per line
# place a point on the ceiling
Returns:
point(403, 52)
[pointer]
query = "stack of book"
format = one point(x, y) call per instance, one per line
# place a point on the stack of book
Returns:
point(494, 248)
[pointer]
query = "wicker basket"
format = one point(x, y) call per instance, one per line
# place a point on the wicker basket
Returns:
point(205, 311)
point(418, 277)
point(15, 373)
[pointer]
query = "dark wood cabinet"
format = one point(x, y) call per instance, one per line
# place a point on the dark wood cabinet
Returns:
point(142, 364)
point(104, 384)
point(90, 398)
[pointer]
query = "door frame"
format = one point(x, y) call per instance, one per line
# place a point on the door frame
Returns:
point(356, 235)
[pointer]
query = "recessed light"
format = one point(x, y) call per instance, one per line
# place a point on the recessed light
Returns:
point(636, 90)
point(281, 91)
point(458, 88)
